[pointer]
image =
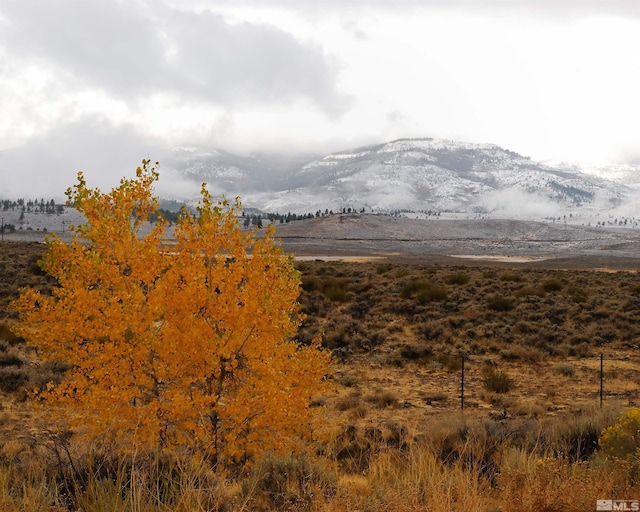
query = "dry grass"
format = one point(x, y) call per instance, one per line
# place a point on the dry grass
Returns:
point(458, 465)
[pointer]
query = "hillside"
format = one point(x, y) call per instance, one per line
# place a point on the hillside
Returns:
point(409, 174)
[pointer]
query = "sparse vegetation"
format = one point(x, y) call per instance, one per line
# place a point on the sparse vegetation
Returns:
point(457, 278)
point(552, 284)
point(500, 304)
point(568, 370)
point(423, 291)
point(399, 441)
point(497, 381)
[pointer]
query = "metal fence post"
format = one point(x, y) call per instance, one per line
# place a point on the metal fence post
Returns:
point(462, 385)
point(601, 378)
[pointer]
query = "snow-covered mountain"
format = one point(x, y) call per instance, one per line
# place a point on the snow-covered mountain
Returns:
point(410, 174)
point(229, 173)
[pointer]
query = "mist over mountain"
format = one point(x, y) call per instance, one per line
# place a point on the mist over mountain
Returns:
point(418, 175)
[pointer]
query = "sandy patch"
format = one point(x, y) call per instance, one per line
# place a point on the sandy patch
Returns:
point(354, 259)
point(502, 258)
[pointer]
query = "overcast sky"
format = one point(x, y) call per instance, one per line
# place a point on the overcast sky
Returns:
point(98, 85)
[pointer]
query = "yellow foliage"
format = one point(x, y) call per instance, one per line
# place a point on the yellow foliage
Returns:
point(189, 344)
point(622, 440)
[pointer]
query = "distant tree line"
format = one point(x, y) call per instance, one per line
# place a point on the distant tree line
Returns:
point(171, 216)
point(257, 219)
point(7, 228)
point(35, 206)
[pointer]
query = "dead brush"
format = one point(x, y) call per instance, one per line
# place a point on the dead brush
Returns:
point(383, 399)
point(289, 483)
point(497, 381)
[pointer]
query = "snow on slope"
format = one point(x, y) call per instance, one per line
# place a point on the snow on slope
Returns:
point(417, 175)
point(443, 175)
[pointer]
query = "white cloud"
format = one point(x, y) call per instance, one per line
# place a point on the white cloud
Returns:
point(132, 50)
point(544, 78)
point(48, 164)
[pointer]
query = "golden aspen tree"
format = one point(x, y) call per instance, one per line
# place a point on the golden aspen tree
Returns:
point(183, 344)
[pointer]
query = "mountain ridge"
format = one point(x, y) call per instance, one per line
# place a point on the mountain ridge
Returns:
point(418, 175)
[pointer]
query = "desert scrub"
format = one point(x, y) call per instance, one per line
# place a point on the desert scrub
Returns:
point(383, 399)
point(500, 304)
point(435, 396)
point(384, 268)
point(527, 291)
point(518, 352)
point(7, 335)
point(564, 369)
point(413, 353)
point(457, 278)
point(497, 381)
point(12, 380)
point(310, 283)
point(511, 277)
point(289, 483)
point(10, 359)
point(552, 285)
point(348, 380)
point(449, 362)
point(351, 401)
point(402, 272)
point(336, 289)
point(423, 291)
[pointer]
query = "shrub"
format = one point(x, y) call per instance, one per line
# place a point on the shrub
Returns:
point(497, 381)
point(10, 360)
point(522, 353)
point(528, 291)
point(350, 401)
point(411, 288)
point(348, 380)
point(423, 291)
point(565, 369)
point(430, 331)
point(431, 293)
point(622, 440)
point(301, 266)
point(552, 285)
point(449, 362)
point(457, 278)
point(402, 272)
point(523, 327)
point(383, 399)
point(310, 283)
point(34, 267)
point(12, 380)
point(6, 334)
point(413, 354)
point(384, 268)
point(511, 277)
point(288, 483)
point(578, 295)
point(498, 303)
point(435, 396)
point(336, 289)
